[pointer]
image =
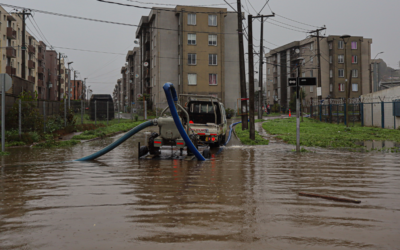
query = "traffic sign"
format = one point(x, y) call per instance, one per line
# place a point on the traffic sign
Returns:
point(292, 82)
point(7, 81)
point(307, 81)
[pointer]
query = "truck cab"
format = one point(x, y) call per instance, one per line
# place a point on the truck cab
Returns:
point(207, 119)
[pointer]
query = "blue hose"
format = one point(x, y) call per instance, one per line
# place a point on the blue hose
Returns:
point(171, 95)
point(117, 142)
point(230, 132)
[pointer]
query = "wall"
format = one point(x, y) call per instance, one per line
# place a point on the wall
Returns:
point(372, 112)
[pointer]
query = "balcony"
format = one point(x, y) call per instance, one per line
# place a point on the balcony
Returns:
point(40, 70)
point(31, 64)
point(11, 52)
point(10, 70)
point(40, 56)
point(31, 49)
point(62, 71)
point(275, 74)
point(31, 79)
point(11, 33)
point(40, 83)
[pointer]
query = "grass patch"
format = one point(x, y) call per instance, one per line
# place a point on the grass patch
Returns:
point(244, 137)
point(319, 134)
point(105, 131)
point(4, 153)
point(56, 144)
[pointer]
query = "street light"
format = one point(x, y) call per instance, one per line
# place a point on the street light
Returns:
point(345, 39)
point(375, 73)
point(378, 54)
point(69, 85)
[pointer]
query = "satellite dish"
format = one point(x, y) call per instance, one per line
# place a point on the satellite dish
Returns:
point(136, 42)
point(146, 64)
point(297, 51)
point(137, 75)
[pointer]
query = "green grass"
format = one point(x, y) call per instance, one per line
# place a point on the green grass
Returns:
point(244, 136)
point(4, 153)
point(56, 144)
point(319, 134)
point(105, 131)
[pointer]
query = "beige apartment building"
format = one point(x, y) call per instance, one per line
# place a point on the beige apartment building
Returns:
point(300, 58)
point(195, 48)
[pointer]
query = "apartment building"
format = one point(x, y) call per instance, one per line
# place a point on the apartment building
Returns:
point(77, 89)
point(133, 65)
point(195, 48)
point(300, 58)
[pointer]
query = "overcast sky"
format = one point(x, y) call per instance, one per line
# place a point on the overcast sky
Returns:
point(368, 18)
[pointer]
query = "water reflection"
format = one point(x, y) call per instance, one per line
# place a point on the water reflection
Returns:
point(243, 198)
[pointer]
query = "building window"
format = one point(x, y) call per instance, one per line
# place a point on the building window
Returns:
point(311, 73)
point(192, 39)
point(341, 72)
point(330, 74)
point(341, 59)
point(212, 59)
point(330, 59)
point(192, 59)
point(312, 59)
point(330, 45)
point(340, 44)
point(212, 40)
point(269, 93)
point(268, 71)
point(311, 89)
point(353, 59)
point(311, 46)
point(191, 19)
point(353, 45)
point(354, 87)
point(212, 20)
point(341, 87)
point(330, 87)
point(192, 79)
point(212, 79)
point(303, 74)
point(355, 73)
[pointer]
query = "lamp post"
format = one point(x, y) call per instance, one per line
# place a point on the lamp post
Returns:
point(345, 39)
point(69, 85)
point(375, 73)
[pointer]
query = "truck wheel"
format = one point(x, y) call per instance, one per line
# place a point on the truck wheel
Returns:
point(206, 153)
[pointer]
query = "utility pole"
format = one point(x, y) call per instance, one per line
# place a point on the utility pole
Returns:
point(319, 61)
point(74, 95)
point(243, 93)
point(59, 77)
point(23, 48)
point(251, 77)
point(260, 71)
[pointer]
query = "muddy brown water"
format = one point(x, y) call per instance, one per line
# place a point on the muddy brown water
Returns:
point(245, 197)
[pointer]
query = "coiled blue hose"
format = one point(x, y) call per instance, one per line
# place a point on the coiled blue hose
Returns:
point(117, 142)
point(171, 95)
point(230, 132)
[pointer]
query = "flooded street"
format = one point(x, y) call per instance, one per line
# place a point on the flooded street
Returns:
point(245, 197)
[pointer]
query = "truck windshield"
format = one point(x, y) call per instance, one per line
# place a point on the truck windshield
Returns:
point(202, 108)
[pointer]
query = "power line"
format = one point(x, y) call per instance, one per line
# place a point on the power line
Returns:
point(166, 4)
point(287, 27)
point(45, 38)
point(297, 21)
point(94, 51)
point(267, 1)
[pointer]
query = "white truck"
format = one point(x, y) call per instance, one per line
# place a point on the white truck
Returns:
point(207, 119)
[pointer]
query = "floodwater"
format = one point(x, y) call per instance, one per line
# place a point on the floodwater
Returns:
point(243, 198)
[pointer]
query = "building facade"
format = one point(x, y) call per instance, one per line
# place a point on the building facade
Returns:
point(195, 48)
point(300, 58)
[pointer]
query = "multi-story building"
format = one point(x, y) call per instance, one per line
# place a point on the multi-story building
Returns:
point(133, 65)
point(124, 88)
point(51, 75)
point(76, 89)
point(195, 48)
point(300, 58)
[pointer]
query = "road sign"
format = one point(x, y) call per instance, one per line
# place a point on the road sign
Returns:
point(307, 81)
point(292, 82)
point(7, 80)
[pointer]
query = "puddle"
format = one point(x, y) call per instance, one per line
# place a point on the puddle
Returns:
point(379, 145)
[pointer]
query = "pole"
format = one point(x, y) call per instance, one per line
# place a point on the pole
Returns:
point(107, 113)
point(348, 90)
point(44, 116)
point(346, 84)
point(74, 96)
point(298, 113)
point(59, 77)
point(95, 113)
point(251, 77)
point(19, 118)
point(319, 67)
point(65, 112)
point(260, 71)
point(69, 88)
point(23, 66)
point(81, 112)
point(3, 113)
point(243, 93)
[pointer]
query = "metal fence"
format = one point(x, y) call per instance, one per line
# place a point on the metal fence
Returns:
point(372, 114)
